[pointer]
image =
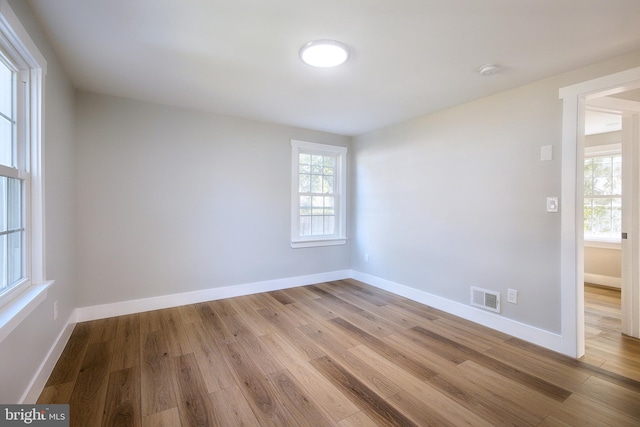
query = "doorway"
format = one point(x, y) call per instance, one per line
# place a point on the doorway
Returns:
point(575, 99)
point(602, 230)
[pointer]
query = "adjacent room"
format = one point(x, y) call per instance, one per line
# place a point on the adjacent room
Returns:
point(336, 213)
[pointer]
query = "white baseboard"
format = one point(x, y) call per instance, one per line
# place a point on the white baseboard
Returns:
point(598, 279)
point(39, 380)
point(83, 314)
point(511, 327)
point(529, 333)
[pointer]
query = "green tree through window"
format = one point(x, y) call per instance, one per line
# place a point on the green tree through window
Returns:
point(603, 197)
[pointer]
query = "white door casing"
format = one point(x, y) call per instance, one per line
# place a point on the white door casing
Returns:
point(631, 224)
point(572, 216)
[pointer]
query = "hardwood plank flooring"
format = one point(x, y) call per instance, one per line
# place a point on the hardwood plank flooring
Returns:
point(605, 346)
point(338, 354)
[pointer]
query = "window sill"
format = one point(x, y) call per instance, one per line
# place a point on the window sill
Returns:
point(16, 310)
point(603, 243)
point(314, 243)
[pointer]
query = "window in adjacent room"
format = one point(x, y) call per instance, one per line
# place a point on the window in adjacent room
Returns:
point(318, 208)
point(603, 194)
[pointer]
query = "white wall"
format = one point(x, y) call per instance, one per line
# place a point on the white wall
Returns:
point(171, 201)
point(23, 351)
point(603, 266)
point(457, 198)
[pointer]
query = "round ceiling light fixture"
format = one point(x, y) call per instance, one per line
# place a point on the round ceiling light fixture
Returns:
point(489, 69)
point(324, 53)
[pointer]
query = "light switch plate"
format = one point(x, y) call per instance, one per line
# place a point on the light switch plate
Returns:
point(552, 204)
point(546, 152)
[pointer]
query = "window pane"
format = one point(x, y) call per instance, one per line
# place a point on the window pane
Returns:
point(329, 201)
point(304, 159)
point(602, 186)
point(6, 142)
point(588, 168)
point(305, 205)
point(617, 166)
point(3, 262)
point(317, 225)
point(617, 185)
point(588, 216)
point(3, 203)
point(329, 206)
point(588, 187)
point(316, 184)
point(329, 225)
point(601, 216)
point(329, 166)
point(305, 226)
point(327, 185)
point(318, 205)
point(14, 257)
point(602, 166)
point(616, 217)
point(6, 90)
point(304, 183)
point(329, 162)
point(316, 164)
point(14, 198)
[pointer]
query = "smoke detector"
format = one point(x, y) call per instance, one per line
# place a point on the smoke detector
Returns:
point(489, 69)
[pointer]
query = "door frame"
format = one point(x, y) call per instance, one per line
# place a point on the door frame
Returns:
point(574, 98)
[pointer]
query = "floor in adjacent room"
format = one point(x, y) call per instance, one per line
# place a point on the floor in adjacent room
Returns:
point(342, 354)
point(606, 346)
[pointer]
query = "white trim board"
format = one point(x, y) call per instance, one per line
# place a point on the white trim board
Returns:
point(83, 314)
point(598, 279)
point(571, 229)
point(39, 380)
point(511, 327)
point(529, 333)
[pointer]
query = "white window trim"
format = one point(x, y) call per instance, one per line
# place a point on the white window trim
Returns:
point(595, 241)
point(340, 238)
point(603, 150)
point(22, 299)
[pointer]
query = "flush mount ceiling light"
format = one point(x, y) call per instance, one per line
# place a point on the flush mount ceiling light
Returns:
point(489, 69)
point(324, 53)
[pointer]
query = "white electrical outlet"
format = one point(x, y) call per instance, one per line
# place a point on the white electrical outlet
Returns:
point(552, 204)
point(512, 296)
point(366, 257)
point(55, 310)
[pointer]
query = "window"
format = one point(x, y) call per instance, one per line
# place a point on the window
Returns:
point(12, 181)
point(318, 206)
point(603, 194)
point(22, 69)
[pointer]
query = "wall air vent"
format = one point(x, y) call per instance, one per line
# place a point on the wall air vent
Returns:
point(483, 298)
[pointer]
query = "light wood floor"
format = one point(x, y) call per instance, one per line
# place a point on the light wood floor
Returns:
point(338, 354)
point(605, 346)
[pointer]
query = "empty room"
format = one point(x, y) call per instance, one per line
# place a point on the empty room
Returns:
point(342, 213)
